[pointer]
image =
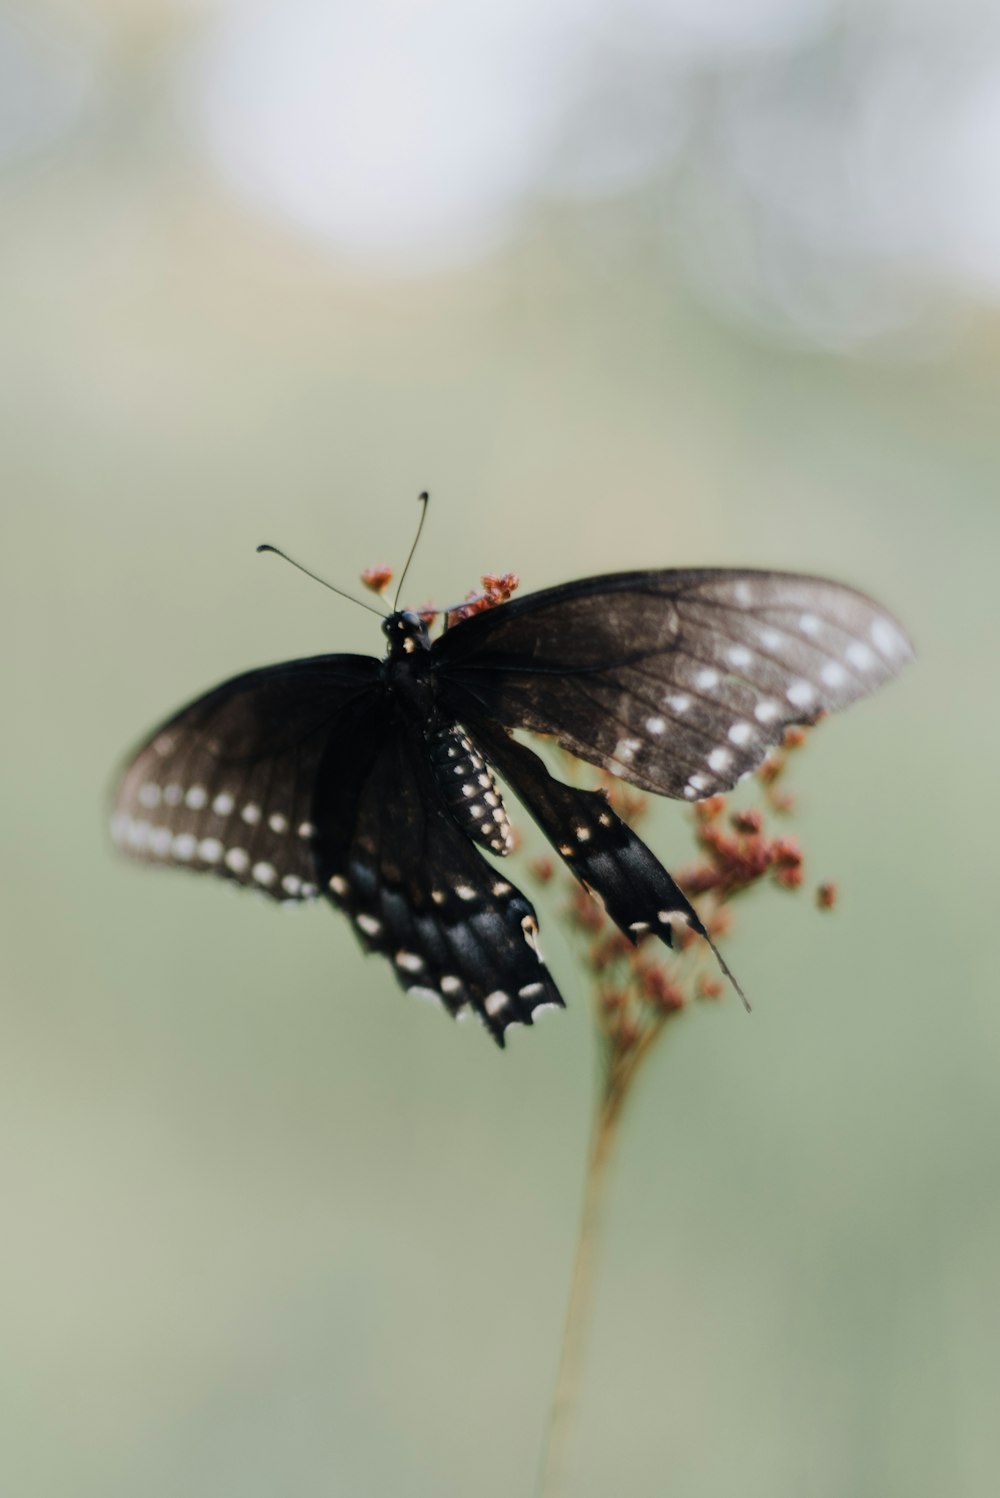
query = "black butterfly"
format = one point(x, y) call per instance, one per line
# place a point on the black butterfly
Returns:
point(371, 783)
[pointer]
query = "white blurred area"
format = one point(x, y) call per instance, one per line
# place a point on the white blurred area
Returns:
point(824, 172)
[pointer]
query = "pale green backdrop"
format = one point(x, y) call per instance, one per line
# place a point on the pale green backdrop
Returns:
point(269, 1228)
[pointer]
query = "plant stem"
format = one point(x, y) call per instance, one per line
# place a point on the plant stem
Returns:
point(564, 1398)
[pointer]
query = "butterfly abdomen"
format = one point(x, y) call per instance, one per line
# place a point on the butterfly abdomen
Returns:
point(468, 788)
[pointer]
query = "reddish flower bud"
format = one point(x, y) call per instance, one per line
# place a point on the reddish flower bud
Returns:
point(499, 586)
point(786, 852)
point(542, 869)
point(710, 808)
point(659, 990)
point(747, 821)
point(377, 578)
point(772, 767)
point(826, 896)
point(710, 988)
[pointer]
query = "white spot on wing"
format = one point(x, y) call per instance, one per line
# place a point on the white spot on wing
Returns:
point(223, 804)
point(810, 625)
point(859, 655)
point(801, 693)
point(465, 892)
point(741, 733)
point(291, 884)
point(719, 759)
point(495, 1002)
point(251, 813)
point(238, 860)
point(265, 873)
point(706, 679)
point(149, 795)
point(680, 702)
point(739, 655)
point(408, 960)
point(451, 984)
point(173, 795)
point(655, 725)
point(210, 850)
point(369, 925)
point(419, 992)
point(184, 846)
point(886, 638)
point(771, 639)
point(277, 822)
point(766, 710)
point(833, 674)
point(338, 884)
point(196, 797)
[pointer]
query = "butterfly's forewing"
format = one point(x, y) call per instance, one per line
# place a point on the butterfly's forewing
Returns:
point(416, 887)
point(227, 785)
point(677, 681)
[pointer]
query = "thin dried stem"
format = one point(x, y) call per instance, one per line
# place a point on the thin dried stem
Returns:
point(567, 1384)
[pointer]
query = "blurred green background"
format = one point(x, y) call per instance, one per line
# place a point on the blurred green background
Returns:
point(717, 287)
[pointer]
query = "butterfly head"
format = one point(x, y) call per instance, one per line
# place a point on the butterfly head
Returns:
point(407, 633)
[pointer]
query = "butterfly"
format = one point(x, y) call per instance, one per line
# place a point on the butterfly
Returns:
point(373, 784)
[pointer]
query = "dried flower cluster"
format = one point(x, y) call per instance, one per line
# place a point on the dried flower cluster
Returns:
point(495, 587)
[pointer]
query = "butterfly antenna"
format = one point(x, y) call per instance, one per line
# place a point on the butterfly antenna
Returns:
point(423, 499)
point(266, 546)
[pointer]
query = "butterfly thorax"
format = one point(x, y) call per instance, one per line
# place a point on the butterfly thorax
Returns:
point(468, 788)
point(407, 635)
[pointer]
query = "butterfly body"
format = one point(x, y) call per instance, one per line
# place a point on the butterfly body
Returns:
point(373, 784)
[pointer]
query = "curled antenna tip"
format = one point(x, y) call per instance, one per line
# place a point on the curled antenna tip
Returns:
point(265, 546)
point(423, 497)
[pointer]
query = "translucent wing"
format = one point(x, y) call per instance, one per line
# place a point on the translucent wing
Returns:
point(416, 887)
point(677, 681)
point(227, 785)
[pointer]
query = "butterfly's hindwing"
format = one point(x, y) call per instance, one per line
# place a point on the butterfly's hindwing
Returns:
point(226, 786)
point(601, 850)
point(419, 891)
point(679, 682)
